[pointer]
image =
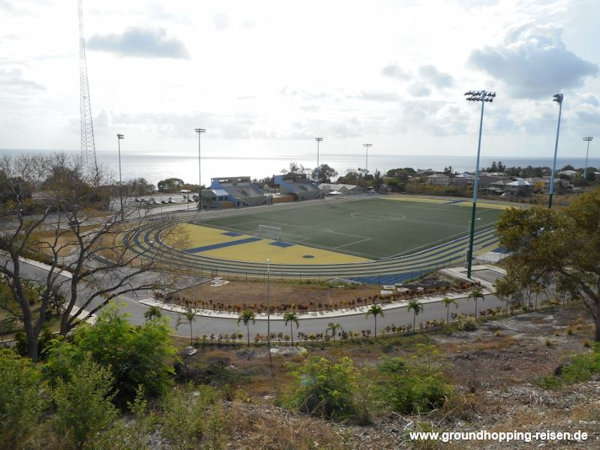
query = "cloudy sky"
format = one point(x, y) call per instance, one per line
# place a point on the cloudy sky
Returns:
point(266, 77)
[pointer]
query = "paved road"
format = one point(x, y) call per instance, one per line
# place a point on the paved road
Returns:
point(315, 323)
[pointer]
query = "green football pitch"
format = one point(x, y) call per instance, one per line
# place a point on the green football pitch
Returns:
point(372, 228)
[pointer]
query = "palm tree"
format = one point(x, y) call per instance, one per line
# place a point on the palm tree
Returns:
point(416, 307)
point(447, 302)
point(475, 295)
point(292, 318)
point(246, 317)
point(375, 310)
point(152, 313)
point(333, 327)
point(190, 316)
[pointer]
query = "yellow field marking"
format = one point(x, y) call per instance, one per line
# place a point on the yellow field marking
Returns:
point(469, 203)
point(486, 249)
point(197, 236)
point(416, 199)
point(466, 202)
point(259, 251)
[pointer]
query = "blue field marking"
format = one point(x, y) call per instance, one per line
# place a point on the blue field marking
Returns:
point(387, 279)
point(281, 244)
point(221, 245)
point(231, 234)
point(454, 202)
point(501, 250)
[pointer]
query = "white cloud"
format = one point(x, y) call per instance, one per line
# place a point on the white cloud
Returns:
point(221, 21)
point(13, 81)
point(375, 96)
point(418, 90)
point(387, 72)
point(140, 42)
point(591, 100)
point(533, 62)
point(395, 72)
point(439, 79)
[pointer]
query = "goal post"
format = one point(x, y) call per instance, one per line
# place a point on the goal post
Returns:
point(269, 232)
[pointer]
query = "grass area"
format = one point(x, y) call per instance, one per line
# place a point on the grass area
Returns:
point(371, 228)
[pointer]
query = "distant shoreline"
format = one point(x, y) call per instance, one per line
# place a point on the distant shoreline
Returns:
point(155, 167)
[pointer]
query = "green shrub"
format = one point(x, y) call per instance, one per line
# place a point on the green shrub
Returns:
point(83, 404)
point(580, 368)
point(467, 323)
point(136, 356)
point(21, 399)
point(416, 384)
point(191, 416)
point(326, 389)
point(128, 433)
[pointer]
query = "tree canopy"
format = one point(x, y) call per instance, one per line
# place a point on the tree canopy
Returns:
point(552, 247)
point(170, 185)
point(324, 174)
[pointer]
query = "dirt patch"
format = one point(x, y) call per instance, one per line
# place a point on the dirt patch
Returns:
point(495, 368)
point(518, 349)
point(307, 295)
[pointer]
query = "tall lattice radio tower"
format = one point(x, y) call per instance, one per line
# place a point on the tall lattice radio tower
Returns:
point(88, 145)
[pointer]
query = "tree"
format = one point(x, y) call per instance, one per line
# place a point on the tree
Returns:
point(537, 289)
point(324, 174)
point(170, 185)
point(476, 294)
point(375, 310)
point(333, 327)
point(353, 177)
point(295, 169)
point(139, 187)
point(416, 307)
point(189, 315)
point(136, 355)
point(152, 313)
point(83, 403)
point(267, 181)
point(508, 290)
point(377, 181)
point(447, 301)
point(90, 255)
point(22, 399)
point(246, 317)
point(292, 318)
point(556, 248)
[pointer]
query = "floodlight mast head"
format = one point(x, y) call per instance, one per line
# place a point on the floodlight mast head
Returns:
point(558, 98)
point(120, 136)
point(319, 139)
point(480, 96)
point(588, 138)
point(200, 130)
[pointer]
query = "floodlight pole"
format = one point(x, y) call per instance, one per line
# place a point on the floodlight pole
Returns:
point(366, 146)
point(558, 98)
point(587, 139)
point(319, 140)
point(119, 137)
point(476, 96)
point(269, 311)
point(199, 131)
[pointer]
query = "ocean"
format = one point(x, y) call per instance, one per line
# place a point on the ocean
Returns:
point(156, 167)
